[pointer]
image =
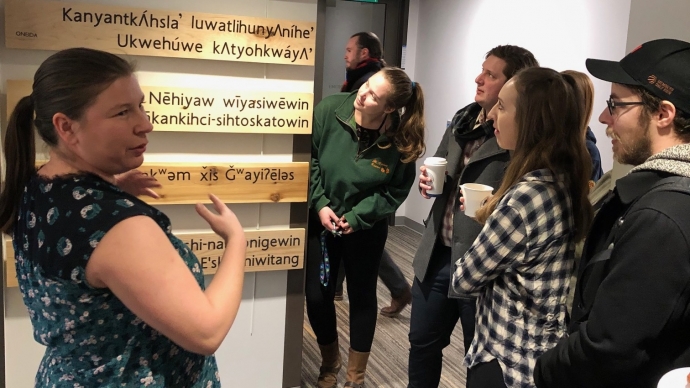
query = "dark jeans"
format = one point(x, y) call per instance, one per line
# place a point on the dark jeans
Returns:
point(390, 274)
point(485, 375)
point(433, 318)
point(360, 252)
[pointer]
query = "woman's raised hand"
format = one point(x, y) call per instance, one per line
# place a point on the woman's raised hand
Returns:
point(224, 222)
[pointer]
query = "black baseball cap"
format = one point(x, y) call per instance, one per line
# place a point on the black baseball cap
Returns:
point(661, 66)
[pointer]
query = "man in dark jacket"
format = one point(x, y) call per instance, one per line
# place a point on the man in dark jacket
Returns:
point(631, 312)
point(473, 155)
point(363, 58)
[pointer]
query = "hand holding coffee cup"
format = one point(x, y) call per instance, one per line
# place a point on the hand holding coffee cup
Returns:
point(462, 206)
point(474, 195)
point(424, 182)
point(435, 169)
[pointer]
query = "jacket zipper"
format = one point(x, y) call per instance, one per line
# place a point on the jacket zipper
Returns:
point(359, 154)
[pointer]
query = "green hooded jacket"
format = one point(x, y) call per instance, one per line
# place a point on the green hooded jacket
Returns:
point(364, 187)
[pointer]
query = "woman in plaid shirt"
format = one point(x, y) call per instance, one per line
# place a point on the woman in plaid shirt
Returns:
point(520, 264)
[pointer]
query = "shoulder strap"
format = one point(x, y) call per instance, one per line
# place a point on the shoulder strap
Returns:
point(675, 183)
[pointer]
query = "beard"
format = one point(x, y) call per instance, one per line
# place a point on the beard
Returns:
point(636, 150)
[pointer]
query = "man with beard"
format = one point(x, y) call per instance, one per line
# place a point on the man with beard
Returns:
point(631, 314)
point(363, 58)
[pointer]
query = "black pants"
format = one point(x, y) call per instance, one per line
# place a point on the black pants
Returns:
point(389, 273)
point(433, 318)
point(360, 252)
point(485, 375)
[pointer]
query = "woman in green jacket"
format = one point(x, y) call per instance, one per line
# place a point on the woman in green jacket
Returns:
point(364, 145)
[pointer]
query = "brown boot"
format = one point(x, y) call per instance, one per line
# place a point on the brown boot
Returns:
point(356, 368)
point(330, 365)
point(397, 304)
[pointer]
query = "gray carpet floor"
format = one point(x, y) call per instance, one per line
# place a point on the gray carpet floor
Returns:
point(388, 360)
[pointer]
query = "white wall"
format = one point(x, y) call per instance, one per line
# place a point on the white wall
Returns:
point(412, 38)
point(658, 19)
point(453, 37)
point(252, 354)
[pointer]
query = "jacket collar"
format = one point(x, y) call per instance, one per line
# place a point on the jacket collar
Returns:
point(671, 161)
point(635, 184)
point(345, 111)
point(463, 121)
point(674, 160)
point(488, 149)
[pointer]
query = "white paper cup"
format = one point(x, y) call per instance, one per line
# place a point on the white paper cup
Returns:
point(677, 378)
point(436, 170)
point(474, 194)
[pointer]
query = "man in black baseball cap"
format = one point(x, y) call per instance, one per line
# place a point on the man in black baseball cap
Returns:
point(631, 314)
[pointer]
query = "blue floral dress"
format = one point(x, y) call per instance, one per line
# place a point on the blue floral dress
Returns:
point(92, 339)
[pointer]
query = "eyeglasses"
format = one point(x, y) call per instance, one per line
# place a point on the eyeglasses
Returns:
point(615, 104)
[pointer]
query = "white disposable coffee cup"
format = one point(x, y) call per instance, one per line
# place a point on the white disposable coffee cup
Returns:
point(436, 170)
point(474, 194)
point(674, 378)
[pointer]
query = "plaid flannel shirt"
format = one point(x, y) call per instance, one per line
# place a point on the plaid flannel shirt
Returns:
point(519, 268)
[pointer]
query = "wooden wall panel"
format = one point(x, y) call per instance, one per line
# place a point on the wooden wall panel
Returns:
point(56, 25)
point(172, 109)
point(232, 183)
point(267, 250)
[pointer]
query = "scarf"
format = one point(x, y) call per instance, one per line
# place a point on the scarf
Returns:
point(370, 65)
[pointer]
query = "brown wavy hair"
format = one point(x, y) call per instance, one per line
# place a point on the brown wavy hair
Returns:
point(408, 97)
point(585, 88)
point(548, 118)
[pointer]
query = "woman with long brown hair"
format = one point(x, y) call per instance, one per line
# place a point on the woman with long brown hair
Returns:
point(364, 145)
point(519, 267)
